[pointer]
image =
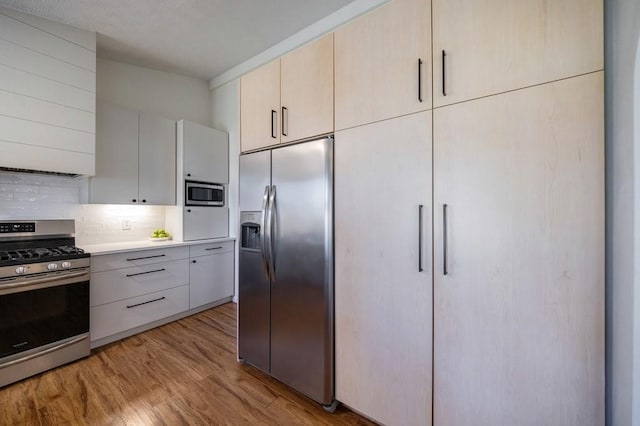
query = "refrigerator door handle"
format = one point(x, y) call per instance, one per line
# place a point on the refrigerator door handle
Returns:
point(265, 237)
point(273, 229)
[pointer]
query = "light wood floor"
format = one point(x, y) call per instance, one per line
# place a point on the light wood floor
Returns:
point(182, 373)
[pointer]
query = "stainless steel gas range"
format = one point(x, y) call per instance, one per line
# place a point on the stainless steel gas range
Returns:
point(44, 297)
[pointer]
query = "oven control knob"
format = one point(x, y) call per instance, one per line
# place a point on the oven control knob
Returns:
point(52, 266)
point(21, 270)
point(66, 265)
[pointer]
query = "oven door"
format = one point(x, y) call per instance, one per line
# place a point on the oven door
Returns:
point(38, 311)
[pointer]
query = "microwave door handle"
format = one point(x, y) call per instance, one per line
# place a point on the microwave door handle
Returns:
point(264, 232)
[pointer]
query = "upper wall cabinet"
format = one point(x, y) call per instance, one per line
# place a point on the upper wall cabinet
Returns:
point(259, 106)
point(290, 98)
point(307, 91)
point(382, 64)
point(203, 153)
point(136, 158)
point(47, 95)
point(488, 47)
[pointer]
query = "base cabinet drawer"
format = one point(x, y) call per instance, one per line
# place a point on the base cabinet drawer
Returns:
point(122, 315)
point(106, 262)
point(119, 284)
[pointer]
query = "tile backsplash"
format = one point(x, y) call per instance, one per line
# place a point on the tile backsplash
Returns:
point(25, 196)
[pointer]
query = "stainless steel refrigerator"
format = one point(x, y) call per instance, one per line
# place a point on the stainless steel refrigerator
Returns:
point(285, 311)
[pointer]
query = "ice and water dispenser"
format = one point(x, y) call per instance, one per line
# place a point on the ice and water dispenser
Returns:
point(250, 230)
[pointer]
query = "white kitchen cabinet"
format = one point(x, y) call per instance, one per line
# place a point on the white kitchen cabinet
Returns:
point(203, 153)
point(131, 289)
point(383, 270)
point(136, 158)
point(519, 257)
point(210, 273)
point(290, 98)
point(499, 45)
point(201, 223)
point(47, 95)
point(156, 160)
point(383, 64)
point(118, 317)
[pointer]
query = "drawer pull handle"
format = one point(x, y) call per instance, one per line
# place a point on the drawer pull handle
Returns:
point(146, 257)
point(144, 303)
point(144, 273)
point(213, 248)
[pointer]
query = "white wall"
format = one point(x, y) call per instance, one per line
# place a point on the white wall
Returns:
point(32, 196)
point(170, 95)
point(622, 31)
point(225, 109)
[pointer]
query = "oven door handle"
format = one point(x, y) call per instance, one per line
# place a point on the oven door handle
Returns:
point(53, 281)
point(47, 351)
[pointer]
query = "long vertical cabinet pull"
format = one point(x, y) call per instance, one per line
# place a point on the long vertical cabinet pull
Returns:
point(444, 240)
point(444, 74)
point(285, 124)
point(420, 242)
point(419, 80)
point(273, 123)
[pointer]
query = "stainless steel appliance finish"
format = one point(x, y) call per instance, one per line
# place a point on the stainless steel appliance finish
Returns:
point(286, 266)
point(203, 194)
point(44, 298)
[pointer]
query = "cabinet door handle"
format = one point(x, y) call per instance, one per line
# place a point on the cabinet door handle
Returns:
point(273, 123)
point(420, 229)
point(134, 200)
point(145, 273)
point(213, 248)
point(285, 111)
point(144, 303)
point(145, 257)
point(193, 261)
point(444, 73)
point(445, 237)
point(419, 80)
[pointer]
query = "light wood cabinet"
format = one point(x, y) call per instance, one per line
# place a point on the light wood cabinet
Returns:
point(290, 98)
point(383, 288)
point(377, 70)
point(135, 158)
point(307, 91)
point(519, 315)
point(260, 106)
point(499, 45)
point(210, 273)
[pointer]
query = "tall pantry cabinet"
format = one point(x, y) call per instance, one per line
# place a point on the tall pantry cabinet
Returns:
point(513, 217)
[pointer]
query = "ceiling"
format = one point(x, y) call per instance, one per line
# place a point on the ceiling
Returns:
point(198, 38)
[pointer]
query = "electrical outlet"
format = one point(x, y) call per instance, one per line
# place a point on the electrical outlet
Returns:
point(126, 224)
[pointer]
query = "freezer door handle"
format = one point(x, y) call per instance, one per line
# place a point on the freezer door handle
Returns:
point(263, 225)
point(273, 230)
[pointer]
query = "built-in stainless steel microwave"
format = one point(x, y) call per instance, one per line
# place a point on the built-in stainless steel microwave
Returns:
point(203, 194)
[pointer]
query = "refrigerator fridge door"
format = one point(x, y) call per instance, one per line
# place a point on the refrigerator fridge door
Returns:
point(302, 281)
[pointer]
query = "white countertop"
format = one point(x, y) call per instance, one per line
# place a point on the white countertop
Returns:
point(110, 248)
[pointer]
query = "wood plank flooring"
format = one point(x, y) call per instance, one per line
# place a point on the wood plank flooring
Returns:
point(183, 373)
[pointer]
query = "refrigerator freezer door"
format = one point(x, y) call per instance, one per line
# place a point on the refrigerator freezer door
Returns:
point(253, 310)
point(255, 174)
point(302, 284)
